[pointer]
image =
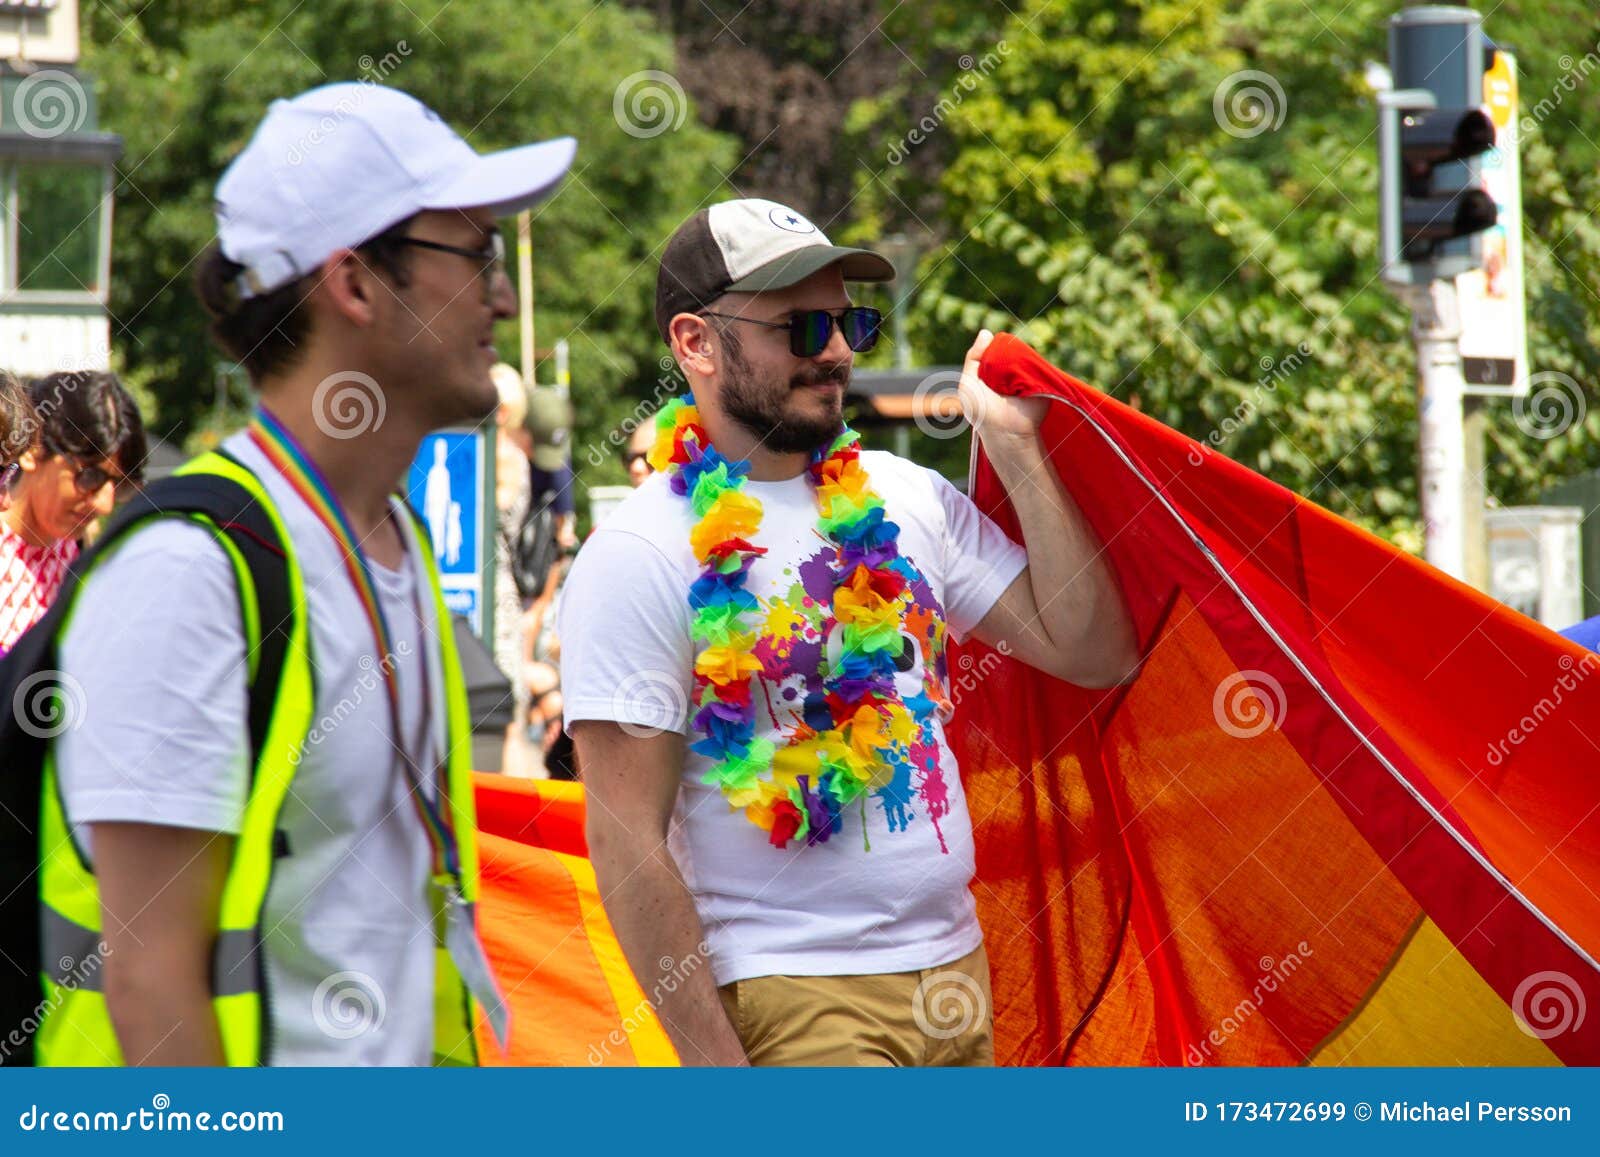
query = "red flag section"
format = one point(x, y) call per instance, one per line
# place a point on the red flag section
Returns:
point(1348, 813)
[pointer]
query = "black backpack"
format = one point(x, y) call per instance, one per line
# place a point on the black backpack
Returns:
point(533, 549)
point(30, 715)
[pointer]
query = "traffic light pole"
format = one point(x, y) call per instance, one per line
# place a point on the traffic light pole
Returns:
point(1441, 430)
point(1450, 477)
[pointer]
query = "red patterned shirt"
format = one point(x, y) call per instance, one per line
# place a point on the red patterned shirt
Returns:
point(30, 576)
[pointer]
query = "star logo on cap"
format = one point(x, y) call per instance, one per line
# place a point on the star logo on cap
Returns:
point(791, 221)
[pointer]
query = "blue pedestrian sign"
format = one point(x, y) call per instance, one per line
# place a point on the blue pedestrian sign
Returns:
point(446, 487)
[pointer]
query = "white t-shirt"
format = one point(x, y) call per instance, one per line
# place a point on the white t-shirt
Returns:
point(157, 645)
point(626, 655)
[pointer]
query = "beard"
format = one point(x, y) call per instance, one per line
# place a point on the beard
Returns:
point(761, 405)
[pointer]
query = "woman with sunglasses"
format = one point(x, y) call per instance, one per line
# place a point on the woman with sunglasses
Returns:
point(88, 453)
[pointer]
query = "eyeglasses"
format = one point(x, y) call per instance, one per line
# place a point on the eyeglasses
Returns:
point(811, 330)
point(92, 478)
point(10, 474)
point(491, 259)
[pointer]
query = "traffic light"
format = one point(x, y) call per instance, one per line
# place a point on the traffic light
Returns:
point(1429, 213)
point(1431, 130)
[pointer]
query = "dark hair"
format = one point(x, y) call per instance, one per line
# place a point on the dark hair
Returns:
point(19, 421)
point(87, 415)
point(264, 334)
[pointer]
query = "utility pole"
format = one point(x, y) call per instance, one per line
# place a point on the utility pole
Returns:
point(525, 293)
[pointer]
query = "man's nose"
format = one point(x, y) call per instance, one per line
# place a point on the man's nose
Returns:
point(502, 294)
point(837, 350)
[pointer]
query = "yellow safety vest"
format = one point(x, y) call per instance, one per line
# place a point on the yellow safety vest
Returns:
point(75, 1027)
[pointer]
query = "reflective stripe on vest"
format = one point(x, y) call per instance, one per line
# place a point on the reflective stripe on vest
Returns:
point(75, 1027)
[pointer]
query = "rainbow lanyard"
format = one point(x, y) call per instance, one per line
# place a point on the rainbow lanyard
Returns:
point(297, 468)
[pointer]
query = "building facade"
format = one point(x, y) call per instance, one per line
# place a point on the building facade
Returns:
point(57, 173)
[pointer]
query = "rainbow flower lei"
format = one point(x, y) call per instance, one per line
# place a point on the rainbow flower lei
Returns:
point(802, 794)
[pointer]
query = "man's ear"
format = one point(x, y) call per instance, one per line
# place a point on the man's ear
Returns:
point(692, 343)
point(349, 285)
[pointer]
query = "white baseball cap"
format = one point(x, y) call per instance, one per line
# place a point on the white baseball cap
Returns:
point(748, 246)
point(337, 165)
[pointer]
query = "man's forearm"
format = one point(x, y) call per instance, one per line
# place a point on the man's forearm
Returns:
point(1081, 611)
point(656, 923)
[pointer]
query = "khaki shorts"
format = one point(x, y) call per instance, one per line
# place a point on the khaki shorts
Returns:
point(935, 1016)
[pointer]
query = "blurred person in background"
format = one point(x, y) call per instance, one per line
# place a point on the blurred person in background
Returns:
point(19, 424)
point(89, 452)
point(512, 500)
point(549, 427)
point(550, 542)
point(636, 454)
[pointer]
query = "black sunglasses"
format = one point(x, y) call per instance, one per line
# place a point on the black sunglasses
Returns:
point(811, 330)
point(9, 474)
point(90, 479)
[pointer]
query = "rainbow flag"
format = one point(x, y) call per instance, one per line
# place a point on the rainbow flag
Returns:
point(1348, 813)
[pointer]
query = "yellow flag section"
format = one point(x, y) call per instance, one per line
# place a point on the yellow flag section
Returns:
point(573, 998)
point(1432, 1008)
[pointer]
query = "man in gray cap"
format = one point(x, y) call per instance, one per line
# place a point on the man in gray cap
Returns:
point(793, 887)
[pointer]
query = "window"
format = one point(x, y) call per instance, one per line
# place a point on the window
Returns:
point(55, 232)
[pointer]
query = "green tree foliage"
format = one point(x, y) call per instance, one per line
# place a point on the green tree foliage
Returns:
point(185, 85)
point(1178, 203)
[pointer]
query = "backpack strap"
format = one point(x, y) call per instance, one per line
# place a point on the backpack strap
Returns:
point(234, 511)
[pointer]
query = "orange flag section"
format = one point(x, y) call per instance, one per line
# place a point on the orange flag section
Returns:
point(573, 998)
point(1347, 813)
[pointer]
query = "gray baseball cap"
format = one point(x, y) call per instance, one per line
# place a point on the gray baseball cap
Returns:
point(748, 246)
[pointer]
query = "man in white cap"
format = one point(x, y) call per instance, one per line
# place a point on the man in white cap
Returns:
point(357, 276)
point(782, 598)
